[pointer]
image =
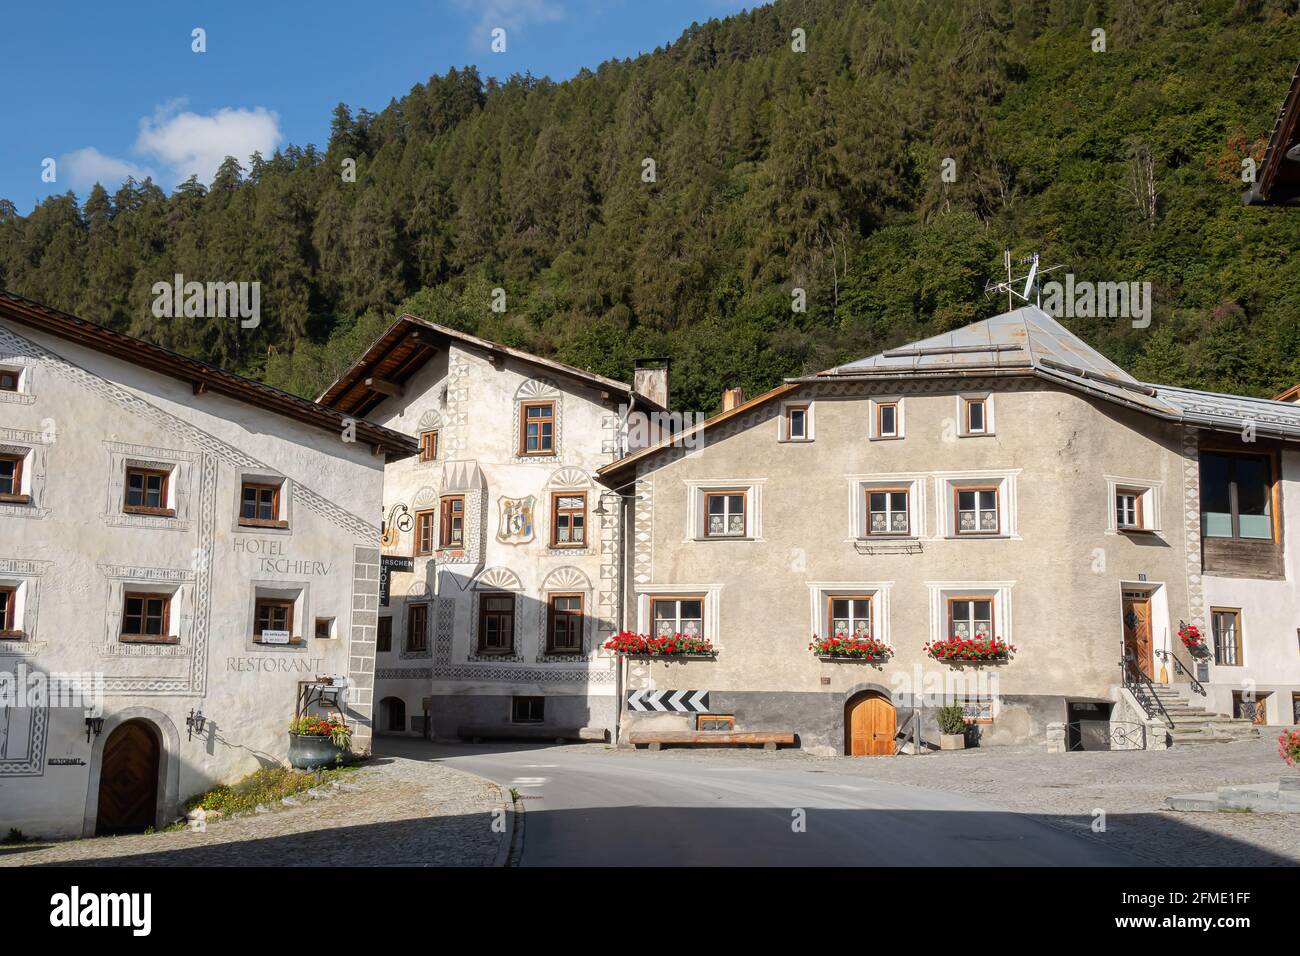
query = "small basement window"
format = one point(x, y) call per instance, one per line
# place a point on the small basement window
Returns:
point(527, 710)
point(715, 722)
point(324, 628)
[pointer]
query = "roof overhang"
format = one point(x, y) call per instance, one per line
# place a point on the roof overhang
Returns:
point(1277, 181)
point(201, 376)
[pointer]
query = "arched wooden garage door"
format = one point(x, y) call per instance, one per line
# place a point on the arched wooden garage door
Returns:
point(870, 725)
point(128, 779)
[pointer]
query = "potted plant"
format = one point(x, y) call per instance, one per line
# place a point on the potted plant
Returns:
point(952, 727)
point(855, 648)
point(1192, 639)
point(1288, 748)
point(317, 741)
point(665, 645)
point(976, 650)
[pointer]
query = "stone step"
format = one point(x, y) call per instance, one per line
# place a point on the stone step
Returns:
point(1178, 738)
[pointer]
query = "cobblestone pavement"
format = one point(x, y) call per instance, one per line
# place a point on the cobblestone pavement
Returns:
point(391, 812)
point(1065, 790)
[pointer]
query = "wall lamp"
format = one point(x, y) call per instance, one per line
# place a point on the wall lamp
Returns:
point(194, 722)
point(94, 725)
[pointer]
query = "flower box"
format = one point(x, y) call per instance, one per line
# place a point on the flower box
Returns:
point(985, 650)
point(671, 646)
point(866, 650)
point(1192, 639)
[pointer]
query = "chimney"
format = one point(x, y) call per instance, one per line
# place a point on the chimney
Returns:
point(650, 379)
point(731, 397)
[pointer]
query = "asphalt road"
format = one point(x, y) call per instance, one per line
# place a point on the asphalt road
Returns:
point(593, 806)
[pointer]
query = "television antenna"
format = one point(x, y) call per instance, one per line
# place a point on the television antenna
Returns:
point(1012, 284)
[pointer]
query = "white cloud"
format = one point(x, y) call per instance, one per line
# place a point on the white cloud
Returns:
point(190, 144)
point(511, 14)
point(82, 168)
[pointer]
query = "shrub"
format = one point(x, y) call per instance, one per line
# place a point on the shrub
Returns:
point(952, 719)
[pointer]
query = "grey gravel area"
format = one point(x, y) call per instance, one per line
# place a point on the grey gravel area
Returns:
point(391, 812)
point(1067, 790)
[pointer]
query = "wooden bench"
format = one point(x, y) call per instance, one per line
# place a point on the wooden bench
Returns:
point(656, 740)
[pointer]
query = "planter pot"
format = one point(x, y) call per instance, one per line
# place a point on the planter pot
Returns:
point(832, 659)
point(972, 660)
point(952, 741)
point(670, 657)
point(311, 753)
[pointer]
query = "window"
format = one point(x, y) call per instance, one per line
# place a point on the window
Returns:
point(724, 514)
point(564, 624)
point(977, 511)
point(715, 722)
point(974, 416)
point(423, 533)
point(324, 628)
point(887, 511)
point(977, 709)
point(451, 533)
point(8, 380)
point(384, 636)
point(1237, 496)
point(569, 519)
point(272, 614)
point(849, 616)
point(1250, 706)
point(683, 616)
point(496, 623)
point(527, 710)
point(1128, 509)
point(8, 609)
point(1225, 626)
point(970, 618)
point(11, 475)
point(145, 617)
point(417, 627)
point(146, 491)
point(887, 420)
point(796, 422)
point(259, 505)
point(537, 428)
point(428, 445)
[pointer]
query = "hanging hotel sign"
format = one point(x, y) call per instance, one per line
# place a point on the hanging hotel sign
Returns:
point(388, 563)
point(516, 525)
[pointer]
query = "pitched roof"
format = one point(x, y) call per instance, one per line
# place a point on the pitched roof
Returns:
point(410, 342)
point(1277, 182)
point(201, 376)
point(1029, 342)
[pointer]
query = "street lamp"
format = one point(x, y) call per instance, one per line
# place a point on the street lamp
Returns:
point(94, 725)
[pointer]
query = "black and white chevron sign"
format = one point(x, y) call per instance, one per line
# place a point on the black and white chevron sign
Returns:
point(669, 701)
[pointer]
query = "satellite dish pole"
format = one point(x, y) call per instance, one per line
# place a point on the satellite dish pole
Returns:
point(1011, 284)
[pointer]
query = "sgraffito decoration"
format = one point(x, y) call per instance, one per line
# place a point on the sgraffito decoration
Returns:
point(516, 526)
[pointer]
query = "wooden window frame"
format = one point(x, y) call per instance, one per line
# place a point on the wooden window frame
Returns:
point(880, 426)
point(956, 511)
point(744, 511)
point(523, 429)
point(147, 473)
point(993, 614)
point(273, 522)
point(830, 612)
point(7, 629)
point(483, 615)
point(384, 635)
point(1139, 515)
point(977, 699)
point(127, 637)
point(553, 614)
point(419, 547)
point(907, 510)
point(1239, 645)
point(789, 421)
point(966, 404)
point(728, 719)
point(446, 524)
point(261, 602)
point(16, 495)
point(557, 511)
point(1274, 496)
point(674, 598)
point(419, 609)
point(429, 445)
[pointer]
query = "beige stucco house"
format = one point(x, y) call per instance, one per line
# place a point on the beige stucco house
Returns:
point(1004, 480)
point(174, 540)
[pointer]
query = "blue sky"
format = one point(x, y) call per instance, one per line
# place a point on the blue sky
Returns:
point(108, 89)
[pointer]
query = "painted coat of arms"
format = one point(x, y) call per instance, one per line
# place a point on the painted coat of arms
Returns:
point(516, 525)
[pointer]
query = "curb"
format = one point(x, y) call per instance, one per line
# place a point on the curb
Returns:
point(508, 841)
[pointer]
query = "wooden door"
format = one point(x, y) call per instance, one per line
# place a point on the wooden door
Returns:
point(128, 780)
point(871, 727)
point(1137, 631)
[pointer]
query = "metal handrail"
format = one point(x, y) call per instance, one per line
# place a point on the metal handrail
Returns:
point(1142, 689)
point(1195, 684)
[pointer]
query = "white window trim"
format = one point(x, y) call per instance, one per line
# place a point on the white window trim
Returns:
point(999, 591)
point(26, 369)
point(819, 592)
point(1151, 492)
point(858, 486)
point(711, 594)
point(948, 482)
point(304, 623)
point(990, 419)
point(695, 491)
point(810, 430)
point(286, 501)
point(873, 433)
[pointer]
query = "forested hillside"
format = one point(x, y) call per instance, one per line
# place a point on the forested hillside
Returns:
point(773, 170)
